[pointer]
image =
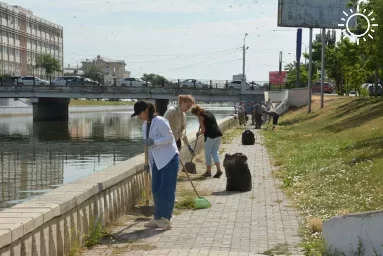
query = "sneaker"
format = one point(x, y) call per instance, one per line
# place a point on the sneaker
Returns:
point(218, 174)
point(163, 223)
point(176, 201)
point(207, 174)
point(152, 223)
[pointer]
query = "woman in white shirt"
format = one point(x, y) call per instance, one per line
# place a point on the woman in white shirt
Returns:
point(163, 161)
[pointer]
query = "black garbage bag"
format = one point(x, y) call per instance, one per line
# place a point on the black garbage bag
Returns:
point(237, 173)
point(248, 138)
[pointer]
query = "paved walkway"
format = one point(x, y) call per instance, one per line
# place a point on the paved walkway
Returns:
point(237, 223)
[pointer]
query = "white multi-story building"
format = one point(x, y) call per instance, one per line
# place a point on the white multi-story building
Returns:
point(22, 37)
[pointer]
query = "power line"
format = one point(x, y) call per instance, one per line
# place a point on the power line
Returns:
point(196, 64)
point(261, 64)
point(185, 54)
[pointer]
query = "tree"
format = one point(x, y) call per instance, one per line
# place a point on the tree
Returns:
point(154, 79)
point(292, 75)
point(49, 63)
point(93, 72)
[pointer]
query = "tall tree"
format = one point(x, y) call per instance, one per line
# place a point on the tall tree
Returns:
point(292, 75)
point(49, 63)
point(154, 79)
point(93, 72)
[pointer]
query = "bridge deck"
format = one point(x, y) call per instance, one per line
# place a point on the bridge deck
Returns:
point(107, 92)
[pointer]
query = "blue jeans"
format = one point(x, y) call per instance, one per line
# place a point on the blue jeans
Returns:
point(211, 150)
point(164, 183)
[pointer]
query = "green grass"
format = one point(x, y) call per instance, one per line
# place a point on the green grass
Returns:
point(231, 134)
point(80, 103)
point(330, 160)
point(279, 249)
point(96, 233)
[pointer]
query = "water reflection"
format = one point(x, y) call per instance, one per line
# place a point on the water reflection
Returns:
point(36, 157)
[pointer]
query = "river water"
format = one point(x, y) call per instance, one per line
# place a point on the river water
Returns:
point(37, 157)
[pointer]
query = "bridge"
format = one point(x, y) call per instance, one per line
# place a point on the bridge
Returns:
point(50, 103)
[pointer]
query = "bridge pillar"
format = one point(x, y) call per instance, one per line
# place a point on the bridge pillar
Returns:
point(50, 109)
point(162, 106)
point(51, 131)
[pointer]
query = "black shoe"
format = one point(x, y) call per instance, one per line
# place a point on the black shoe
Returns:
point(206, 174)
point(218, 175)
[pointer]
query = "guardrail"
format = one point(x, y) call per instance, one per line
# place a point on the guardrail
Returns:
point(197, 84)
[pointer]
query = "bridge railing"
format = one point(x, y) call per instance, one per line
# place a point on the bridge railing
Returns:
point(174, 83)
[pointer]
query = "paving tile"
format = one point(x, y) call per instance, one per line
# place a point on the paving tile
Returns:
point(237, 223)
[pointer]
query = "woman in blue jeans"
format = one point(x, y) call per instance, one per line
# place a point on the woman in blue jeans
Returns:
point(163, 161)
point(212, 133)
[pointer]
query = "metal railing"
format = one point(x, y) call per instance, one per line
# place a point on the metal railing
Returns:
point(176, 83)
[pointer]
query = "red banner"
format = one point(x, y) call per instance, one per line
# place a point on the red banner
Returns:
point(277, 78)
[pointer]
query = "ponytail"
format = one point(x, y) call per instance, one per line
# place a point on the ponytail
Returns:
point(151, 112)
point(197, 109)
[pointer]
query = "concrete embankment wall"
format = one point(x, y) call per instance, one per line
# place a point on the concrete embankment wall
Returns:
point(16, 111)
point(57, 221)
point(345, 234)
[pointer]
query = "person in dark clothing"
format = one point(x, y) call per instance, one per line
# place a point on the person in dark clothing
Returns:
point(275, 116)
point(258, 111)
point(212, 134)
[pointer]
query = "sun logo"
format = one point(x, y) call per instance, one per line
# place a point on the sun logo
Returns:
point(370, 25)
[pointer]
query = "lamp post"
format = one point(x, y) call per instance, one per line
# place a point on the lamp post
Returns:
point(244, 61)
point(77, 61)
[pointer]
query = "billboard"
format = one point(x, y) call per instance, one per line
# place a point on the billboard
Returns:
point(314, 13)
point(277, 78)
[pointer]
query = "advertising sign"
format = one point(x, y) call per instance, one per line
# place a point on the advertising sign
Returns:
point(276, 78)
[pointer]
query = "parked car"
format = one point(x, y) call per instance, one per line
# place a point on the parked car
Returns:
point(237, 84)
point(327, 88)
point(371, 89)
point(10, 80)
point(62, 81)
point(191, 83)
point(31, 80)
point(79, 81)
point(131, 81)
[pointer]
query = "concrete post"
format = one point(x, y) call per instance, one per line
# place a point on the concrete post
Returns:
point(162, 106)
point(51, 109)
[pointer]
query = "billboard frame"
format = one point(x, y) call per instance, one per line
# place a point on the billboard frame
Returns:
point(335, 26)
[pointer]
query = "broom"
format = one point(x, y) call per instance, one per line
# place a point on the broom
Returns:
point(199, 202)
point(190, 166)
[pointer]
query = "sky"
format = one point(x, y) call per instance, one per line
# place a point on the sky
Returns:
point(179, 39)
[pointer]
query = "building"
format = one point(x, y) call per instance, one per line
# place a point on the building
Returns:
point(22, 37)
point(111, 68)
point(73, 71)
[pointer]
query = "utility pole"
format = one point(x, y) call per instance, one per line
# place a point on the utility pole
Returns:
point(310, 68)
point(322, 68)
point(243, 64)
point(298, 57)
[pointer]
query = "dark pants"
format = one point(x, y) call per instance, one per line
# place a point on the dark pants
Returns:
point(179, 144)
point(258, 121)
point(164, 183)
point(275, 120)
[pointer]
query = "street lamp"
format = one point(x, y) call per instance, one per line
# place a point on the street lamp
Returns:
point(77, 61)
point(244, 60)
